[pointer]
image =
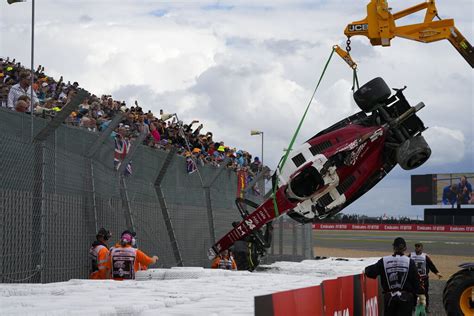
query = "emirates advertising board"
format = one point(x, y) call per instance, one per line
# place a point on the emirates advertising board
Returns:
point(448, 189)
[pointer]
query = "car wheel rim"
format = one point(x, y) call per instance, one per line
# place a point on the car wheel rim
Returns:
point(466, 301)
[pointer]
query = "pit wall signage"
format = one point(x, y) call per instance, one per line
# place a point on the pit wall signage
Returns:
point(397, 227)
point(353, 295)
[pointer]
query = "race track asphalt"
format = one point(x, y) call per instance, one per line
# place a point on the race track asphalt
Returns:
point(452, 244)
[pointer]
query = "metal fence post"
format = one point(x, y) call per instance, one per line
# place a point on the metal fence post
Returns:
point(132, 152)
point(93, 196)
point(207, 195)
point(123, 185)
point(294, 234)
point(44, 133)
point(38, 212)
point(164, 208)
point(304, 247)
point(126, 204)
point(43, 214)
point(104, 134)
point(2, 235)
point(280, 241)
point(256, 180)
point(90, 166)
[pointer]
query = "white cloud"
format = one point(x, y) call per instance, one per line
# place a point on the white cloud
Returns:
point(246, 65)
point(447, 145)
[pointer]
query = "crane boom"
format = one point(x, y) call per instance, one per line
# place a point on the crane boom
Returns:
point(380, 28)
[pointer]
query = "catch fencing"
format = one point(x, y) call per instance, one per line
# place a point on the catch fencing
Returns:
point(58, 187)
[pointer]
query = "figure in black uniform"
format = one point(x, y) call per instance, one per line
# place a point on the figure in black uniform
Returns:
point(424, 265)
point(400, 281)
point(249, 250)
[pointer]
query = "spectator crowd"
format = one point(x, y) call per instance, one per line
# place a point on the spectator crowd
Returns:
point(163, 131)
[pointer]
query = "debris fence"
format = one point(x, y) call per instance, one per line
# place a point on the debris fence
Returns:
point(58, 187)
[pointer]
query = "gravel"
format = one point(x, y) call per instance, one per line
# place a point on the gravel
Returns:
point(436, 297)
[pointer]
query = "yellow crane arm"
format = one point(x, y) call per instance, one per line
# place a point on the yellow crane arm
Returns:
point(379, 27)
point(345, 56)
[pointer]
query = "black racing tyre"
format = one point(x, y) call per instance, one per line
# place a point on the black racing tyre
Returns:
point(370, 95)
point(413, 152)
point(457, 299)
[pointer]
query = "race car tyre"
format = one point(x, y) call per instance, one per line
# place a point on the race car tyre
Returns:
point(370, 95)
point(457, 294)
point(413, 152)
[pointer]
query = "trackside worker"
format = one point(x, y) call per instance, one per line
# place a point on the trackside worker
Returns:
point(225, 261)
point(399, 278)
point(424, 265)
point(99, 255)
point(249, 250)
point(126, 260)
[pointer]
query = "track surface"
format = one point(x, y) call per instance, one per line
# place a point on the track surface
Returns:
point(452, 244)
point(446, 249)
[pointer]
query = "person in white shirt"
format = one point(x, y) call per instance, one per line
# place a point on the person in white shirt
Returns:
point(21, 88)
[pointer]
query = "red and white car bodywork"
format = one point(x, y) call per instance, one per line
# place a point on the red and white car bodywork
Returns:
point(338, 183)
point(342, 162)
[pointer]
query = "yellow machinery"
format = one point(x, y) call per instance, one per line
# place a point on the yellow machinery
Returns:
point(379, 26)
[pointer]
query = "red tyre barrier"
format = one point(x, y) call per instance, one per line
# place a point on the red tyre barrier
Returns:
point(372, 298)
point(306, 301)
point(344, 296)
point(339, 296)
point(397, 227)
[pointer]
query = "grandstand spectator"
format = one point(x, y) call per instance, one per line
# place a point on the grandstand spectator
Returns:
point(4, 95)
point(239, 159)
point(122, 147)
point(154, 132)
point(21, 88)
point(256, 165)
point(94, 114)
point(42, 91)
point(21, 106)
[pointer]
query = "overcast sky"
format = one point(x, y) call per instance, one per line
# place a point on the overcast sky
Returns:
point(242, 65)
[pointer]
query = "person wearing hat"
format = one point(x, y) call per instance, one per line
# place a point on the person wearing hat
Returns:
point(126, 260)
point(424, 265)
point(400, 280)
point(99, 255)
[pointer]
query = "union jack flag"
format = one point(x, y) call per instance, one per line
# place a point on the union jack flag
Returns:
point(190, 165)
point(122, 147)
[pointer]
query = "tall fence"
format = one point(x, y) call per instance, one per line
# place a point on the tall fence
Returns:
point(58, 186)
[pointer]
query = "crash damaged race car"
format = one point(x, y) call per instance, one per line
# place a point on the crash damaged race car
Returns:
point(341, 163)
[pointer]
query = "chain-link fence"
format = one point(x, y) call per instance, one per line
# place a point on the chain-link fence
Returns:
point(58, 186)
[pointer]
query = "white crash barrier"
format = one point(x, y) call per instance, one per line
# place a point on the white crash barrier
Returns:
point(182, 273)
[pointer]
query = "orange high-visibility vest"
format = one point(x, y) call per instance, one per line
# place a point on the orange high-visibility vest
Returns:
point(100, 262)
